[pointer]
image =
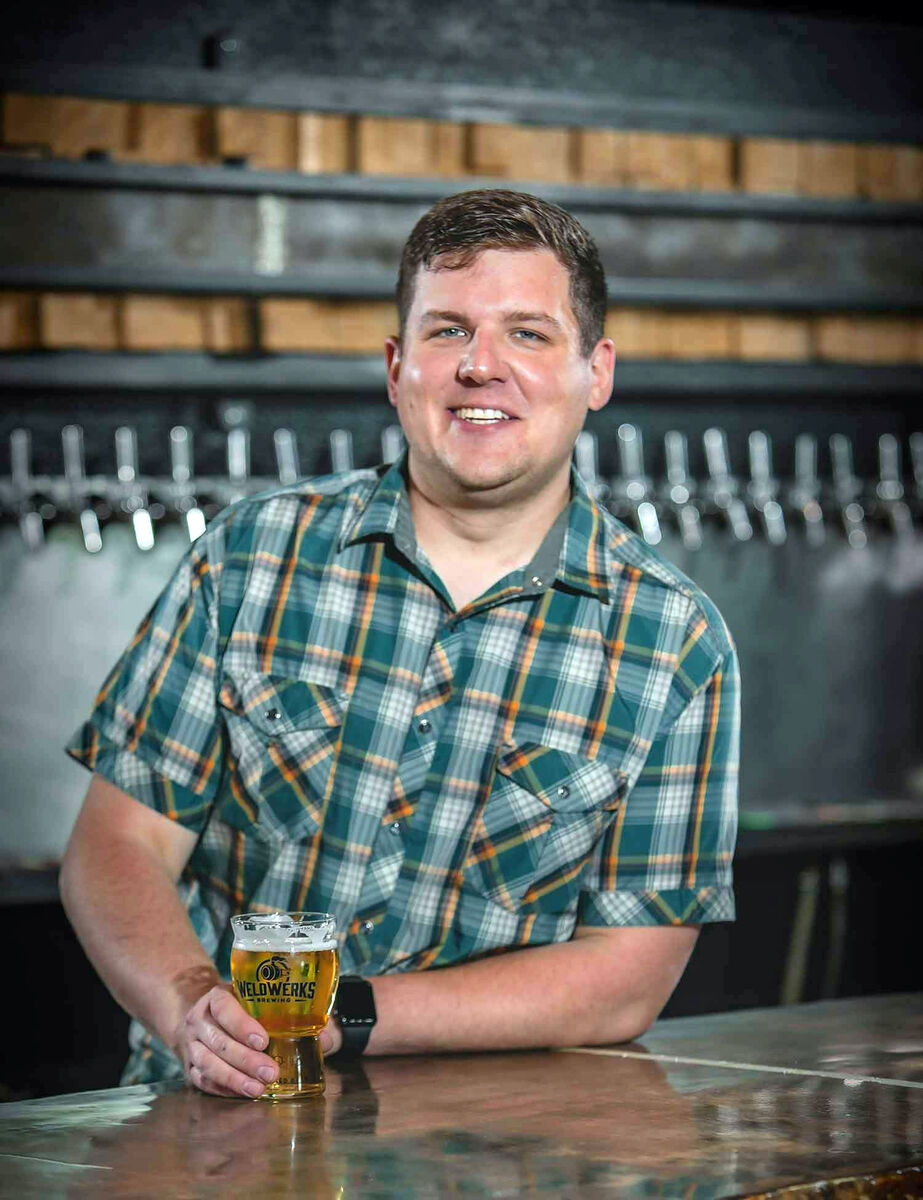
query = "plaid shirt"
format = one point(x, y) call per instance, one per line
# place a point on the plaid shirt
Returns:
point(303, 696)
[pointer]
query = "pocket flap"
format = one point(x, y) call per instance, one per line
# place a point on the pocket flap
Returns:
point(565, 782)
point(275, 704)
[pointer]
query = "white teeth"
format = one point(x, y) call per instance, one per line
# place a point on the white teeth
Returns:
point(481, 414)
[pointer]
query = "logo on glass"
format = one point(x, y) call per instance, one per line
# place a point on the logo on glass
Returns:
point(271, 969)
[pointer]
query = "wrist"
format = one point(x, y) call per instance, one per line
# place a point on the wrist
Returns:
point(354, 1015)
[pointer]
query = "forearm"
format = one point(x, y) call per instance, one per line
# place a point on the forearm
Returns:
point(130, 920)
point(593, 989)
point(118, 887)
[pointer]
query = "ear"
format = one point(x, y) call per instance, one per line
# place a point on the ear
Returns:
point(393, 366)
point(602, 368)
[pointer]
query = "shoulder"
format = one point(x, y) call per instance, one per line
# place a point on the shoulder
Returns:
point(318, 507)
point(667, 589)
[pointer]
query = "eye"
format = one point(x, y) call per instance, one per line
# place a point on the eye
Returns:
point(528, 335)
point(449, 331)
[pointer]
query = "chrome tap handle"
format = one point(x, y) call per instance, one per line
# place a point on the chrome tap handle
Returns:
point(287, 461)
point(586, 458)
point(717, 459)
point(631, 451)
point(132, 494)
point(679, 489)
point(690, 526)
point(890, 488)
point(916, 462)
point(238, 460)
point(182, 471)
point(75, 475)
point(392, 443)
point(739, 520)
point(723, 486)
point(760, 454)
point(676, 452)
point(847, 490)
point(181, 455)
point(805, 495)
point(341, 450)
point(31, 525)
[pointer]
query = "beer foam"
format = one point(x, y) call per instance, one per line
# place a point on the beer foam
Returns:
point(279, 934)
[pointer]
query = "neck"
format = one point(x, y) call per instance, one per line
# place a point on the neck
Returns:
point(484, 540)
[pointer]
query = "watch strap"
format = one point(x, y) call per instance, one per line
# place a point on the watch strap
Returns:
point(354, 1011)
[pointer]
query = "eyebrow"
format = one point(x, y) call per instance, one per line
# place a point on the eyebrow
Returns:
point(518, 317)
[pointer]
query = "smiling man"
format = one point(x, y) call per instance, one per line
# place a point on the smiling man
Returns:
point(452, 701)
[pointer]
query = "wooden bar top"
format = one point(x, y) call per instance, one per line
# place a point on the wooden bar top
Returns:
point(811, 1100)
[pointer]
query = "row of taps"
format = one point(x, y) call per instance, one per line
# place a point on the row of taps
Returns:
point(738, 503)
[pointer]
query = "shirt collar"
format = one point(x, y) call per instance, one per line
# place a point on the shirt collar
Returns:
point(573, 551)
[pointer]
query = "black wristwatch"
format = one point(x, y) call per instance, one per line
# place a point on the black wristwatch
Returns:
point(354, 1010)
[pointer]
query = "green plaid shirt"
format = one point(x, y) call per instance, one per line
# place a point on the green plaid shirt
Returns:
point(303, 696)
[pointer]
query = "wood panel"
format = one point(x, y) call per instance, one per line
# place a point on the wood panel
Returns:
point(769, 337)
point(891, 173)
point(699, 335)
point(659, 161)
point(324, 326)
point(18, 320)
point(831, 169)
point(265, 138)
point(523, 152)
point(170, 133)
point(637, 333)
point(162, 323)
point(68, 125)
point(855, 338)
point(75, 320)
point(602, 156)
point(713, 163)
point(226, 325)
point(774, 165)
point(405, 146)
point(325, 143)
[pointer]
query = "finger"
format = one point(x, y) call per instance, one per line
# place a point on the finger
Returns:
point(196, 1079)
point(212, 1074)
point(227, 1012)
point(224, 1046)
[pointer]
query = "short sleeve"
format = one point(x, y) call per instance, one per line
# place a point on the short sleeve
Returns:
point(666, 859)
point(154, 730)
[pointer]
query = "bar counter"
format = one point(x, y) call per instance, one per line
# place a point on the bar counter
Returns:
point(821, 1099)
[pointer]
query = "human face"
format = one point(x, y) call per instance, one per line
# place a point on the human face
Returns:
point(489, 382)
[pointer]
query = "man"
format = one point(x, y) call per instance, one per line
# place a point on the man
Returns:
point(454, 702)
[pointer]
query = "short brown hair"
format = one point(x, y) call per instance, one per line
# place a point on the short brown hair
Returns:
point(459, 227)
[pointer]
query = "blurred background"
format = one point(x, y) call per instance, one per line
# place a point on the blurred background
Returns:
point(203, 207)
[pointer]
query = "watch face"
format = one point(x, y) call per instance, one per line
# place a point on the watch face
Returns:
point(355, 1002)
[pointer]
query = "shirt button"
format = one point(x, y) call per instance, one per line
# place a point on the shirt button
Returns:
point(537, 581)
point(423, 725)
point(272, 714)
point(367, 926)
point(396, 827)
point(563, 791)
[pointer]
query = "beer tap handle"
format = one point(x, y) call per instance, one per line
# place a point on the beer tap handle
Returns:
point(75, 476)
point(847, 490)
point(890, 488)
point(392, 443)
point(133, 501)
point(181, 470)
point(631, 453)
point(678, 491)
point(586, 459)
point(760, 455)
point(690, 526)
point(717, 459)
point(31, 525)
point(723, 485)
point(676, 452)
point(739, 520)
point(916, 462)
point(806, 492)
point(238, 459)
point(341, 451)
point(287, 461)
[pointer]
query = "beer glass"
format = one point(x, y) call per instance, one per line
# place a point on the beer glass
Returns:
point(285, 969)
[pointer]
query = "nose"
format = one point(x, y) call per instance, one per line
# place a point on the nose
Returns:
point(482, 361)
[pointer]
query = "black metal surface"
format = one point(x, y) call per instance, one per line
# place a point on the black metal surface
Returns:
point(639, 64)
point(52, 172)
point(184, 373)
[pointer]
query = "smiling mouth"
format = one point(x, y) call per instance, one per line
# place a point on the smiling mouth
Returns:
point(481, 416)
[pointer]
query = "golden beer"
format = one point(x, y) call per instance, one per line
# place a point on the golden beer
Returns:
point(285, 969)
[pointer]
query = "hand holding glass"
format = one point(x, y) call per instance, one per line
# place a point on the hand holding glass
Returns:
point(285, 969)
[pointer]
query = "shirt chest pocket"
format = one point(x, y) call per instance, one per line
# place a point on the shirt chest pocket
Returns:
point(283, 736)
point(546, 811)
